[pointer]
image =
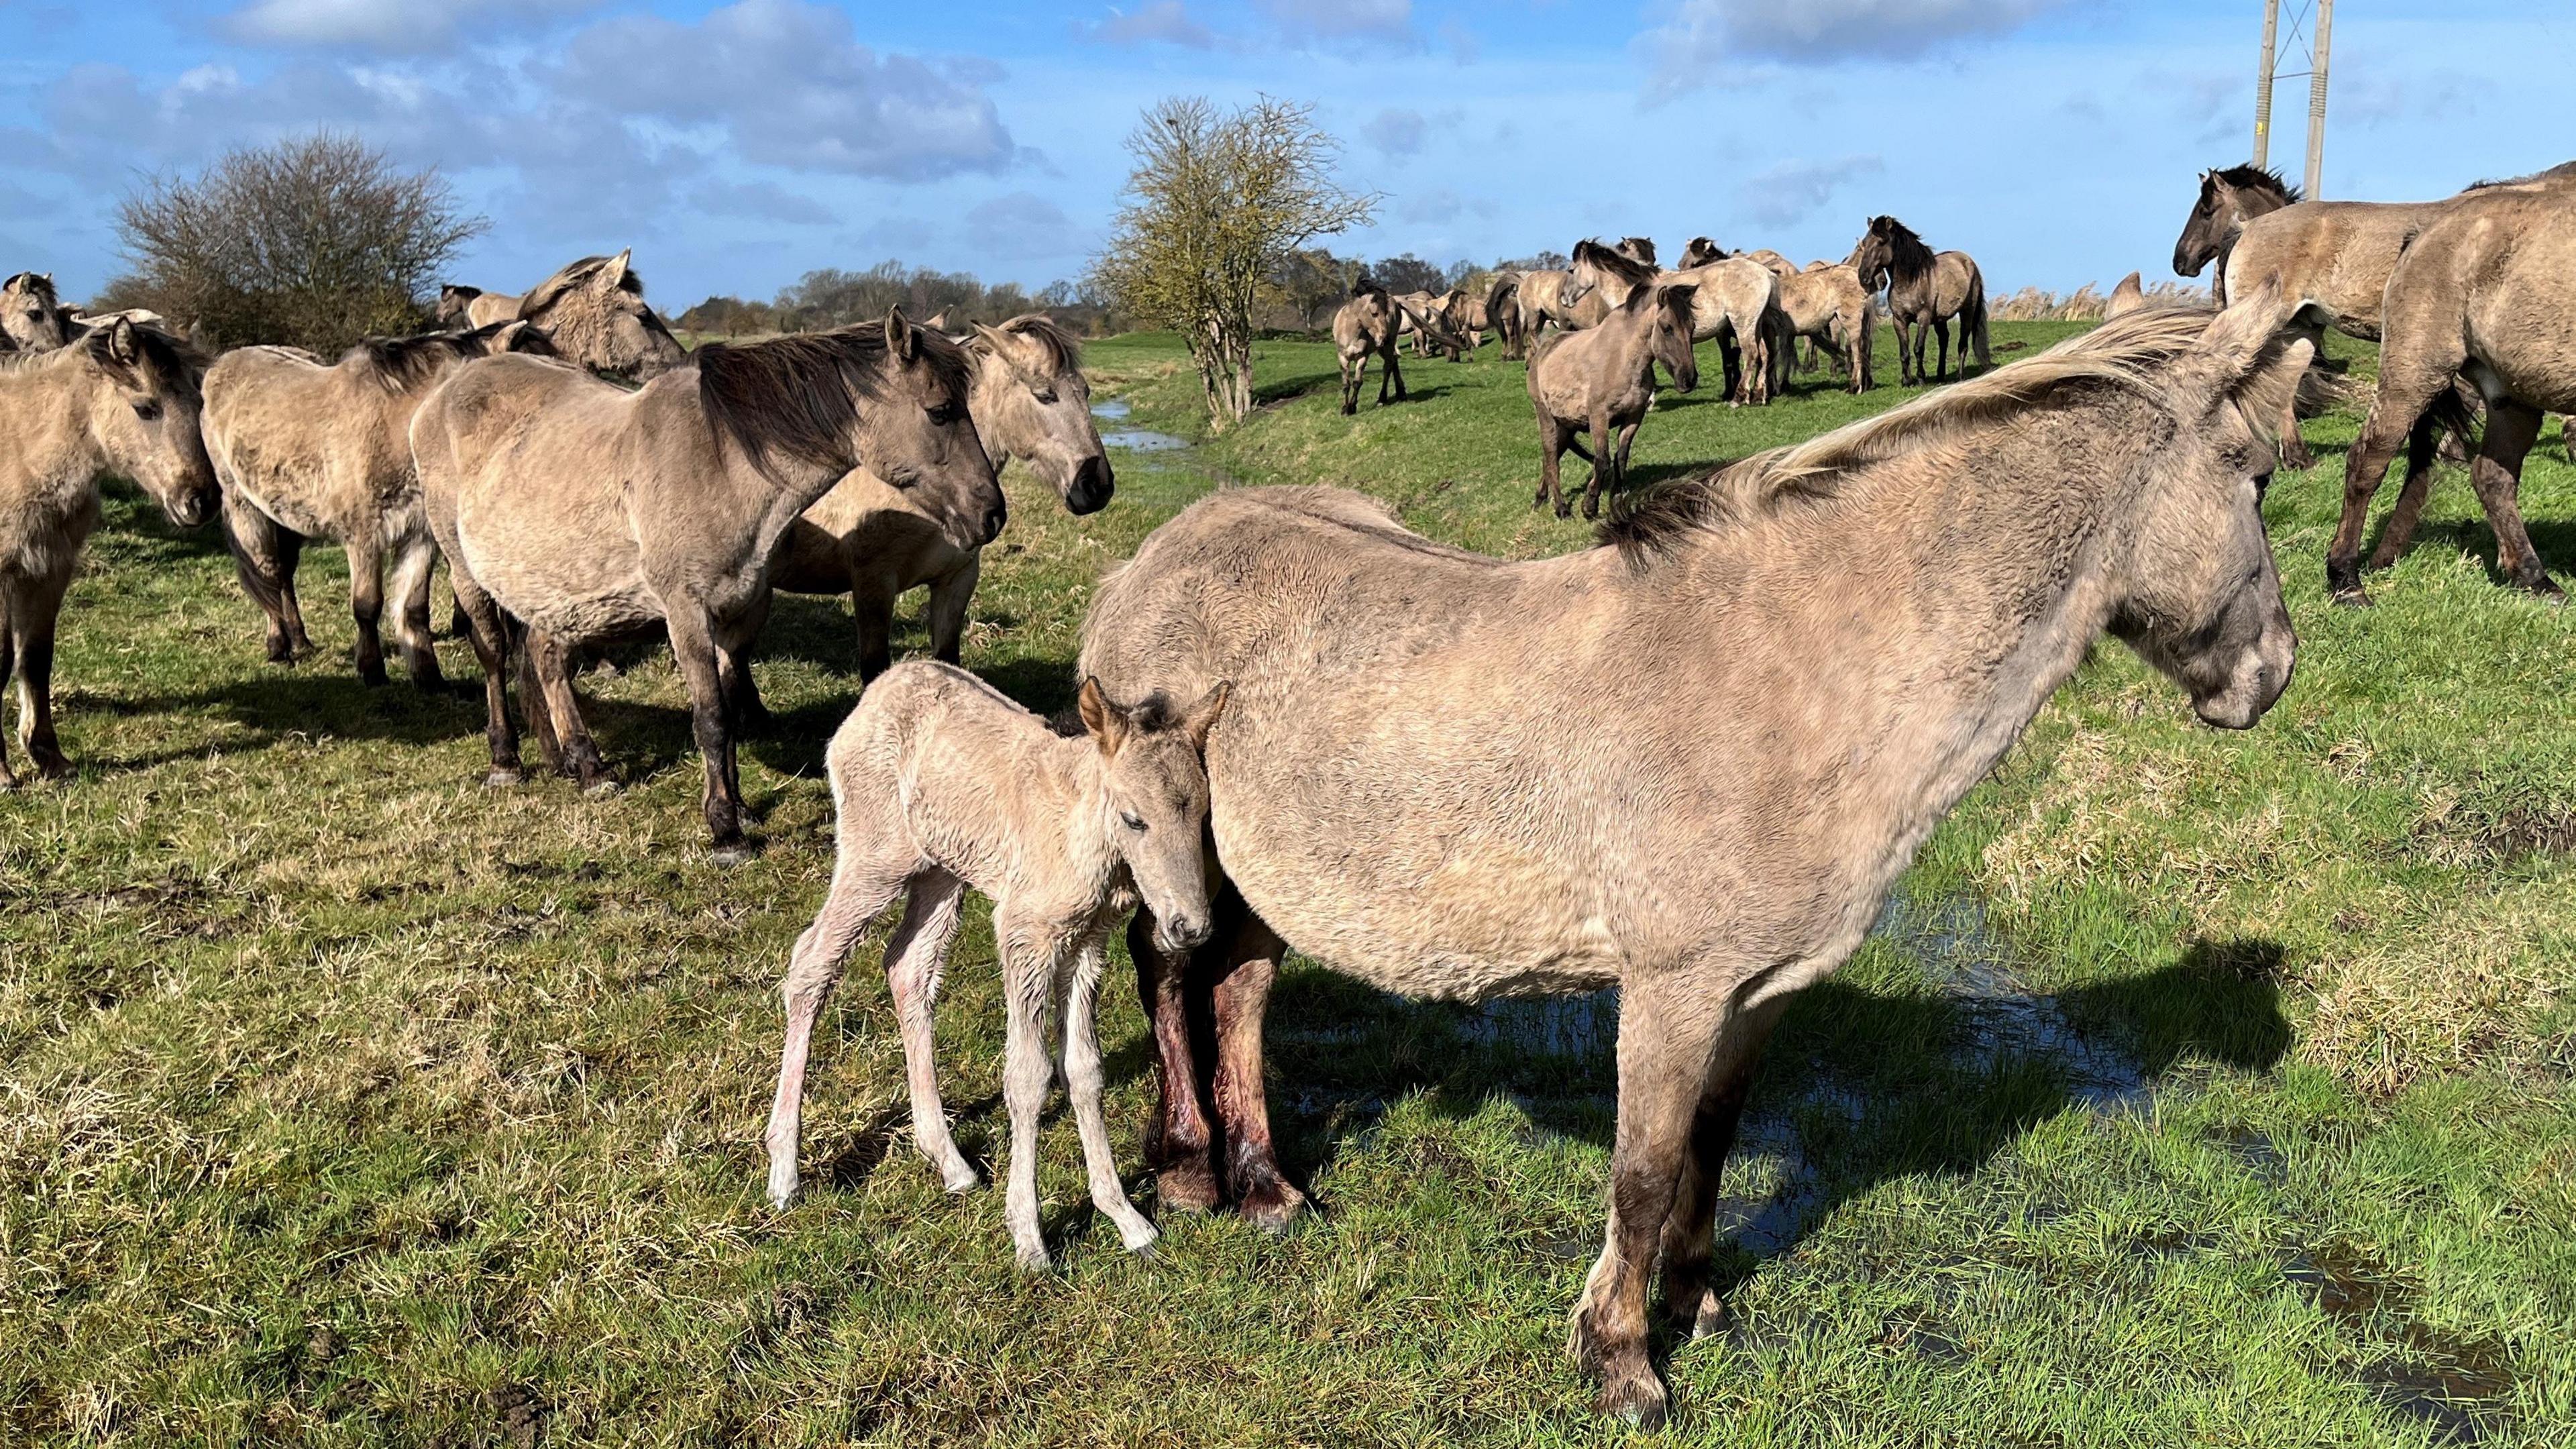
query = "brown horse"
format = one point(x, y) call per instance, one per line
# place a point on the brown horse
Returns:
point(875, 543)
point(311, 451)
point(119, 399)
point(2487, 293)
point(1736, 302)
point(1368, 325)
point(32, 316)
point(589, 512)
point(1765, 755)
point(1831, 308)
point(2231, 197)
point(462, 308)
point(1603, 379)
point(1925, 290)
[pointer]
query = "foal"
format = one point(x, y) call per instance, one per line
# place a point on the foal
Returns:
point(940, 782)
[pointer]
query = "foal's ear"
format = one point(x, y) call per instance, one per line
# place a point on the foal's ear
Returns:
point(121, 345)
point(2265, 394)
point(899, 338)
point(612, 274)
point(1106, 722)
point(1202, 716)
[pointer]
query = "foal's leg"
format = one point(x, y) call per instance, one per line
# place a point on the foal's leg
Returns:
point(1180, 1143)
point(858, 893)
point(721, 798)
point(1241, 1002)
point(489, 632)
point(2400, 529)
point(1668, 1030)
point(916, 958)
point(367, 605)
point(1688, 1230)
point(1082, 1082)
point(1605, 460)
point(2496, 472)
point(33, 614)
point(946, 611)
point(411, 599)
point(1028, 951)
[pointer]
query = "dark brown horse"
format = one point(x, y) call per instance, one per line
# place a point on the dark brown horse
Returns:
point(1925, 289)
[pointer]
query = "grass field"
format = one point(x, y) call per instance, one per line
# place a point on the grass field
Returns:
point(2199, 1088)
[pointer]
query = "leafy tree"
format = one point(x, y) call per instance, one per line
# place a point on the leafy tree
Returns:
point(1215, 205)
point(316, 243)
point(1408, 273)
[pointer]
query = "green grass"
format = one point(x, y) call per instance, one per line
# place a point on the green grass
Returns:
point(344, 1101)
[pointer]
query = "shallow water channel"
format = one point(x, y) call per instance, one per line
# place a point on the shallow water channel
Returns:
point(1134, 440)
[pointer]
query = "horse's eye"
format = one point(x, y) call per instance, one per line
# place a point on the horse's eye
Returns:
point(1134, 822)
point(148, 409)
point(947, 413)
point(1043, 394)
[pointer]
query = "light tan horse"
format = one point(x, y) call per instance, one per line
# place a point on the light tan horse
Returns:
point(1541, 297)
point(593, 309)
point(1367, 326)
point(1031, 401)
point(1503, 313)
point(1763, 754)
point(120, 400)
point(305, 450)
point(1734, 301)
point(1830, 307)
point(1925, 290)
point(464, 308)
point(2487, 293)
point(590, 512)
point(32, 316)
point(1416, 305)
point(940, 782)
point(1602, 379)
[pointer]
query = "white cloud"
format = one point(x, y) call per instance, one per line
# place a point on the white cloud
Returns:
point(1792, 191)
point(1021, 224)
point(1704, 39)
point(395, 27)
point(1167, 21)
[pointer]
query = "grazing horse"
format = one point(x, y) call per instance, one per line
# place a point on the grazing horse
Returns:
point(589, 512)
point(593, 309)
point(1924, 291)
point(1603, 379)
point(941, 782)
point(1416, 305)
point(32, 317)
point(1029, 400)
point(1737, 302)
point(121, 399)
point(306, 450)
point(1765, 756)
point(2486, 294)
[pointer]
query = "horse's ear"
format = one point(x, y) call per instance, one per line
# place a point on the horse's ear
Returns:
point(991, 338)
point(1106, 722)
point(899, 338)
point(1202, 716)
point(612, 273)
point(121, 345)
point(2265, 394)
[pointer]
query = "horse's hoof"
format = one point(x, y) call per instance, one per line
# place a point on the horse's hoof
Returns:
point(959, 1182)
point(1033, 1261)
point(1272, 1206)
point(54, 767)
point(600, 787)
point(734, 852)
point(1188, 1187)
point(1565, 510)
point(1637, 1397)
point(375, 678)
point(2352, 598)
point(500, 779)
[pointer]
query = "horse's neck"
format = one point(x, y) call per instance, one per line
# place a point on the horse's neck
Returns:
point(1081, 781)
point(59, 458)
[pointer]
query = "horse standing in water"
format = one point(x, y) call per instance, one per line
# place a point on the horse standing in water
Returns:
point(1763, 756)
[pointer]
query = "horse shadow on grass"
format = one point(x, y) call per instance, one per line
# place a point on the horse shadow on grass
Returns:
point(1859, 1087)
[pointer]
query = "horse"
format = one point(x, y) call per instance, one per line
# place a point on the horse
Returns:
point(589, 512)
point(1737, 302)
point(1603, 378)
point(1503, 312)
point(1416, 305)
point(1369, 324)
point(593, 309)
point(1540, 294)
point(940, 782)
point(1763, 756)
point(305, 450)
point(1463, 317)
point(1831, 308)
point(119, 400)
point(32, 317)
point(1029, 400)
point(462, 308)
point(1925, 290)
point(2486, 294)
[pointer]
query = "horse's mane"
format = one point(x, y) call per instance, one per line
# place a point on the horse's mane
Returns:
point(799, 395)
point(1907, 256)
point(1365, 285)
point(1619, 264)
point(2563, 171)
point(161, 353)
point(403, 363)
point(2250, 177)
point(35, 282)
point(1062, 349)
point(550, 291)
point(1498, 289)
point(1647, 525)
point(1700, 252)
point(1637, 248)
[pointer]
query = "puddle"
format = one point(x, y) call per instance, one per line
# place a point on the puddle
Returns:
point(1951, 942)
point(2456, 1388)
point(1134, 440)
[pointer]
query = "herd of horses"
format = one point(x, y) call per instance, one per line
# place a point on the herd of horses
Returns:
point(1370, 762)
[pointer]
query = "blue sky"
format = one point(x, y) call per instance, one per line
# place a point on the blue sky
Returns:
point(734, 146)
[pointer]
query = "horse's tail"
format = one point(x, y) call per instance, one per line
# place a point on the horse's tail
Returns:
point(254, 580)
point(1972, 318)
point(1574, 445)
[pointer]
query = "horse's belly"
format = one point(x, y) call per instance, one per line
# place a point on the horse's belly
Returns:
point(574, 584)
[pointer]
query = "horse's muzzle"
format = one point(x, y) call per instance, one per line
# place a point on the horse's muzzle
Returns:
point(994, 518)
point(1092, 485)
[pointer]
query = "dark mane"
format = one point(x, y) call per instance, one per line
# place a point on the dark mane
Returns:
point(166, 356)
point(35, 282)
point(404, 363)
point(1700, 252)
point(1907, 256)
point(1627, 269)
point(2250, 177)
point(1648, 524)
point(2563, 171)
point(1640, 248)
point(1365, 285)
point(799, 395)
point(1062, 349)
point(548, 292)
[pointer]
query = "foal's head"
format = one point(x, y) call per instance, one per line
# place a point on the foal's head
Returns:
point(31, 315)
point(1155, 777)
point(1669, 333)
point(595, 311)
point(145, 418)
point(2229, 198)
point(1031, 401)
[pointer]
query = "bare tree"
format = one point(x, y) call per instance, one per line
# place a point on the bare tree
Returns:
point(1215, 205)
point(317, 242)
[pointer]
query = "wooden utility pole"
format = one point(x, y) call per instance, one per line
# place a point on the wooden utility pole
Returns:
point(2317, 99)
point(2263, 83)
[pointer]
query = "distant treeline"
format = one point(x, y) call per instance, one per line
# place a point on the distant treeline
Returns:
point(1310, 284)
